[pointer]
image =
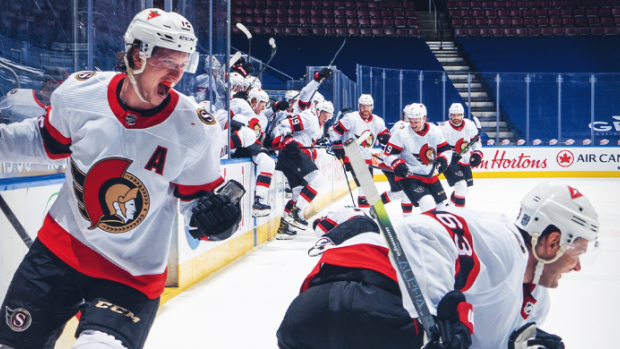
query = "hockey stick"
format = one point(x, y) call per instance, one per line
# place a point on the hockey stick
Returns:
point(234, 59)
point(249, 36)
point(476, 139)
point(404, 268)
point(274, 49)
point(344, 169)
point(328, 67)
point(15, 222)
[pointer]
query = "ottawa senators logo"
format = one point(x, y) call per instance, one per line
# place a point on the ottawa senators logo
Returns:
point(205, 116)
point(460, 145)
point(426, 155)
point(369, 142)
point(85, 75)
point(109, 197)
point(18, 319)
point(255, 125)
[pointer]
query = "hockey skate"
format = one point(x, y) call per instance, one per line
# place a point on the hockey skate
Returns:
point(285, 232)
point(288, 193)
point(294, 218)
point(259, 209)
point(322, 245)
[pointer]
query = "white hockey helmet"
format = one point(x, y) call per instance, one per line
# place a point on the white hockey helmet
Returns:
point(215, 64)
point(414, 111)
point(324, 106)
point(291, 95)
point(206, 105)
point(251, 81)
point(318, 97)
point(157, 28)
point(259, 95)
point(456, 108)
point(557, 204)
point(366, 99)
point(236, 80)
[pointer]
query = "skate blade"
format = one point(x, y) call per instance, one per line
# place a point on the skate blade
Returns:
point(259, 213)
point(296, 226)
point(284, 237)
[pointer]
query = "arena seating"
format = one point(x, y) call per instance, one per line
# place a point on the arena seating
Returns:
point(535, 18)
point(326, 18)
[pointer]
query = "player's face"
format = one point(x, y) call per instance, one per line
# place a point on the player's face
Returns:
point(456, 119)
point(568, 262)
point(323, 117)
point(163, 70)
point(365, 111)
point(258, 107)
point(416, 124)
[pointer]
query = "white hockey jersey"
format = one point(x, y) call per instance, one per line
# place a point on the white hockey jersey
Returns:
point(352, 125)
point(206, 83)
point(304, 128)
point(417, 150)
point(21, 104)
point(365, 250)
point(481, 254)
point(304, 99)
point(114, 215)
point(459, 137)
point(536, 304)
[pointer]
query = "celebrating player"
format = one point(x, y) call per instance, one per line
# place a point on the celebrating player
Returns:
point(490, 260)
point(459, 133)
point(209, 83)
point(136, 148)
point(351, 298)
point(413, 153)
point(355, 125)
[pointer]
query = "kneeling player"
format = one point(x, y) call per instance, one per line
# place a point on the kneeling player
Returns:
point(351, 299)
point(459, 133)
point(413, 153)
point(491, 259)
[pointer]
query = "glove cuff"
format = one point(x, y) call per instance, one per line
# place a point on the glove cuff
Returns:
point(397, 163)
point(479, 153)
point(466, 315)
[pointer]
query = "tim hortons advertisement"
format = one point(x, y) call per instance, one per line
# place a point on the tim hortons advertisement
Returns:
point(517, 159)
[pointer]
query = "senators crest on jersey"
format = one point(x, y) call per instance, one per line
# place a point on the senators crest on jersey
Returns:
point(205, 116)
point(369, 142)
point(460, 145)
point(426, 154)
point(255, 125)
point(109, 197)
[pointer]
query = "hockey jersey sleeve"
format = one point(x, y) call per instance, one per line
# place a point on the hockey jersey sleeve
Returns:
point(443, 148)
point(240, 106)
point(23, 142)
point(392, 150)
point(201, 174)
point(242, 138)
point(432, 255)
point(305, 95)
point(343, 125)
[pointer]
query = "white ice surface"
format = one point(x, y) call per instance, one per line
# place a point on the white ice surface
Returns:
point(242, 305)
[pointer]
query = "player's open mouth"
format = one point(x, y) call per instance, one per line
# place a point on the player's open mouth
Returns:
point(163, 88)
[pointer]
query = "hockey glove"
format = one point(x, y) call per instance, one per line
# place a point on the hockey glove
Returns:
point(338, 150)
point(322, 142)
point(476, 159)
point(454, 322)
point(401, 170)
point(241, 95)
point(442, 164)
point(384, 138)
point(242, 67)
point(289, 144)
point(280, 106)
point(530, 337)
point(216, 216)
point(322, 74)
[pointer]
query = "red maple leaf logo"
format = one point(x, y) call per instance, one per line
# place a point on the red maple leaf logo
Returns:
point(565, 158)
point(153, 14)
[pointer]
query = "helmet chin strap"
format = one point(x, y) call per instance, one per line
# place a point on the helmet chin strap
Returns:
point(130, 75)
point(541, 262)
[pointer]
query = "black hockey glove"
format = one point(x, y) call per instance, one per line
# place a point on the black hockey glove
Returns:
point(242, 67)
point(241, 95)
point(454, 322)
point(289, 144)
point(280, 106)
point(528, 336)
point(322, 141)
point(442, 164)
point(322, 74)
point(338, 150)
point(401, 170)
point(384, 138)
point(475, 160)
point(216, 216)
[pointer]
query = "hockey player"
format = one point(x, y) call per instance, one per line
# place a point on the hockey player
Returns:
point(20, 104)
point(459, 132)
point(260, 156)
point(297, 164)
point(351, 299)
point(137, 151)
point(208, 82)
point(413, 153)
point(354, 125)
point(490, 259)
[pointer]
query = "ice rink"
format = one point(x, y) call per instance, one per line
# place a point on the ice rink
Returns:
point(242, 305)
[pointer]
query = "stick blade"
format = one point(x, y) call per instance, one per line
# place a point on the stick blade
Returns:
point(477, 122)
point(234, 58)
point(244, 30)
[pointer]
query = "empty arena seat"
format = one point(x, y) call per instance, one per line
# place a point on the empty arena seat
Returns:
point(481, 23)
point(567, 12)
point(522, 5)
point(528, 13)
point(493, 22)
point(516, 22)
point(485, 32)
point(504, 23)
point(454, 14)
point(542, 22)
point(411, 14)
point(452, 5)
point(572, 32)
point(466, 14)
point(533, 31)
point(515, 13)
point(553, 12)
point(581, 22)
point(579, 12)
point(400, 23)
point(533, 4)
point(366, 32)
point(529, 22)
point(497, 32)
point(478, 14)
point(318, 31)
point(541, 13)
point(363, 14)
point(305, 22)
point(475, 5)
point(521, 32)
point(607, 22)
point(503, 14)
point(490, 13)
point(609, 31)
point(546, 32)
point(509, 32)
point(596, 31)
point(461, 33)
point(398, 14)
point(559, 32)
point(555, 22)
point(568, 22)
point(412, 23)
point(594, 21)
point(469, 22)
point(488, 5)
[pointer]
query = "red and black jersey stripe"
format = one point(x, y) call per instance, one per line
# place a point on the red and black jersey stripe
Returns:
point(297, 124)
point(391, 149)
point(327, 224)
point(308, 193)
point(303, 105)
point(339, 128)
point(56, 145)
point(191, 192)
point(235, 140)
point(443, 147)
